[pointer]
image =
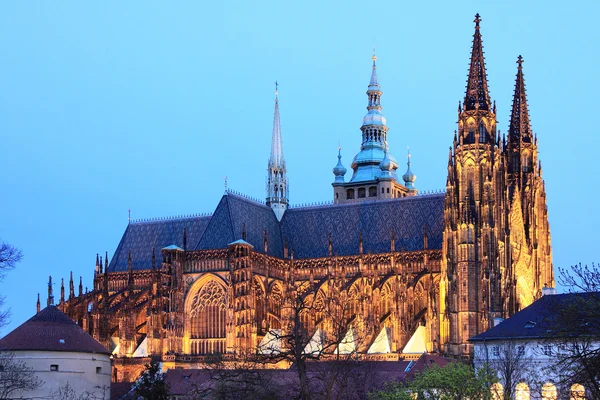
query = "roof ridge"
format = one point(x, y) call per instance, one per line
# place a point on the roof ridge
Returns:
point(170, 218)
point(421, 194)
point(243, 196)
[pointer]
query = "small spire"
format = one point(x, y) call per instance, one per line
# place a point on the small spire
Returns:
point(106, 262)
point(409, 178)
point(80, 286)
point(184, 238)
point(386, 165)
point(97, 270)
point(153, 259)
point(38, 305)
point(374, 82)
point(339, 170)
point(520, 127)
point(50, 300)
point(62, 290)
point(129, 216)
point(477, 96)
point(71, 287)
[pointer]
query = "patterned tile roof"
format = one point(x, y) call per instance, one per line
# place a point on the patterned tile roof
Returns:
point(51, 330)
point(231, 216)
point(307, 230)
point(141, 237)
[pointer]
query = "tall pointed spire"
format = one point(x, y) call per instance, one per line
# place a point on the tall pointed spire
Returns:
point(277, 187)
point(520, 128)
point(477, 95)
point(276, 158)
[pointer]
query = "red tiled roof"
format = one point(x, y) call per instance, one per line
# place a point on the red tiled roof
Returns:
point(51, 330)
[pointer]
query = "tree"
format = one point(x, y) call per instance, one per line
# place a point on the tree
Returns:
point(317, 326)
point(152, 385)
point(9, 257)
point(576, 326)
point(454, 381)
point(16, 377)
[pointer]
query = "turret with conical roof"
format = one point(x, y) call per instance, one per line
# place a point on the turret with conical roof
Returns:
point(339, 170)
point(277, 185)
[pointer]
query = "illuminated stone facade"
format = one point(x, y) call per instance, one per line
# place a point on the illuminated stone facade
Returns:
point(184, 288)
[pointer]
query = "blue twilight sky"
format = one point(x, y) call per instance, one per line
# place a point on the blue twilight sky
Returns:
point(148, 105)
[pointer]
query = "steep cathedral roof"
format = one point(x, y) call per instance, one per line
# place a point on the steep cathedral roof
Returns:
point(306, 230)
point(141, 237)
point(237, 217)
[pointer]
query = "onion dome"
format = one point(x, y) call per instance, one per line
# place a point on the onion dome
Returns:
point(386, 166)
point(339, 170)
point(409, 178)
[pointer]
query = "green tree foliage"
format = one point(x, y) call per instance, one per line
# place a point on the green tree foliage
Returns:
point(152, 385)
point(454, 381)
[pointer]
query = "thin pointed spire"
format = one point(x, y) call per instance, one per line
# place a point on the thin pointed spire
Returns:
point(277, 158)
point(477, 94)
point(38, 305)
point(520, 128)
point(374, 82)
point(80, 286)
point(277, 185)
point(409, 178)
point(71, 287)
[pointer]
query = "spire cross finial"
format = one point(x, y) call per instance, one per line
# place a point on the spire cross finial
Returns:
point(477, 20)
point(129, 215)
point(276, 88)
point(520, 61)
point(225, 183)
point(374, 58)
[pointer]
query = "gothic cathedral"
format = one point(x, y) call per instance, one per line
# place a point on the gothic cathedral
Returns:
point(411, 272)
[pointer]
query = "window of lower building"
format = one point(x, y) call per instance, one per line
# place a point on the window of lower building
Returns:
point(362, 193)
point(54, 367)
point(372, 191)
point(496, 351)
point(98, 370)
point(547, 350)
point(350, 193)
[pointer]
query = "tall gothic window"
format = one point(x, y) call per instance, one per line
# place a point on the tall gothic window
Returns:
point(482, 133)
point(208, 312)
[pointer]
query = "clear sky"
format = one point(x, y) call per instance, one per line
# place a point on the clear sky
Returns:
point(148, 105)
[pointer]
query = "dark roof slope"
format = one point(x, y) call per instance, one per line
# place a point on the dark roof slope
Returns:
point(51, 330)
point(307, 230)
point(235, 212)
point(548, 317)
point(141, 237)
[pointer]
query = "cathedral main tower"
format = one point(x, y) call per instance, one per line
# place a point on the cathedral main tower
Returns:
point(496, 241)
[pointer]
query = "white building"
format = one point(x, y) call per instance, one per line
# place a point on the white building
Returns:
point(534, 352)
point(60, 354)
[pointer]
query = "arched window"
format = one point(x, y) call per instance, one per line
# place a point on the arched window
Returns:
point(482, 133)
point(577, 392)
point(522, 392)
point(274, 302)
point(497, 391)
point(372, 191)
point(208, 312)
point(259, 295)
point(361, 193)
point(350, 193)
point(549, 391)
